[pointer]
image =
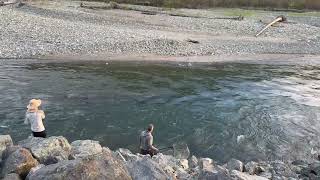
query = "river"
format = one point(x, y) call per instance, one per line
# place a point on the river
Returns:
point(274, 108)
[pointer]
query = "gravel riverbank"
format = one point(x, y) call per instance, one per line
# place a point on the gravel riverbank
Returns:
point(54, 28)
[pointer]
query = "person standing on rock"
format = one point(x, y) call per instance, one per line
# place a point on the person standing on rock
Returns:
point(34, 117)
point(146, 142)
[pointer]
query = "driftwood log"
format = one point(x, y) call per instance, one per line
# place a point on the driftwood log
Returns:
point(8, 3)
point(278, 19)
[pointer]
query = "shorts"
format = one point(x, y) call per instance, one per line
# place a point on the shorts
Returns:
point(150, 152)
point(42, 134)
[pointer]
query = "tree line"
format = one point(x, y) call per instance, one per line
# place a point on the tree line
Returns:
point(288, 4)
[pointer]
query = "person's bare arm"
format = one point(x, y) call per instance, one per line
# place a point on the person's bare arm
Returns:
point(42, 114)
point(150, 142)
point(26, 121)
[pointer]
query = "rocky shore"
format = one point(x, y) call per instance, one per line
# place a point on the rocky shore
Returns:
point(54, 158)
point(36, 29)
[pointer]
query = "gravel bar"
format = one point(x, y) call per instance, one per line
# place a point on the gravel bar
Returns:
point(46, 28)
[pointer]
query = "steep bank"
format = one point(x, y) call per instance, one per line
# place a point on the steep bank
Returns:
point(41, 29)
point(55, 158)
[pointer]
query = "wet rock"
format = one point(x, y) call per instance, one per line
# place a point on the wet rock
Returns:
point(299, 162)
point(314, 177)
point(282, 169)
point(12, 176)
point(266, 170)
point(103, 166)
point(253, 168)
point(145, 169)
point(48, 150)
point(243, 176)
point(311, 170)
point(19, 161)
point(127, 154)
point(5, 141)
point(84, 148)
point(235, 164)
point(193, 162)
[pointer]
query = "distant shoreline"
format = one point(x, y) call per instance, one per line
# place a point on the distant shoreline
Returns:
point(66, 31)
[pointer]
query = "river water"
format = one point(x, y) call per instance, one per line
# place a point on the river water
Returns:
point(275, 109)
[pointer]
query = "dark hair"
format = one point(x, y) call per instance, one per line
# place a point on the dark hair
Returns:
point(150, 127)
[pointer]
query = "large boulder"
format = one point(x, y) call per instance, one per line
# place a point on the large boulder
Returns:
point(84, 148)
point(48, 150)
point(235, 164)
point(12, 176)
point(145, 169)
point(19, 161)
point(243, 176)
point(102, 166)
point(5, 141)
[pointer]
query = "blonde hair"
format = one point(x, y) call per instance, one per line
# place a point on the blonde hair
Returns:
point(34, 104)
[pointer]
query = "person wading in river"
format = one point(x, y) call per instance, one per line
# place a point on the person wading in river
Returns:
point(35, 117)
point(146, 142)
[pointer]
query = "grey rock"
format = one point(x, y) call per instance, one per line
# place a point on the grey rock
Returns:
point(102, 166)
point(243, 176)
point(166, 160)
point(19, 161)
point(282, 169)
point(34, 169)
point(215, 174)
point(193, 162)
point(48, 150)
point(183, 163)
point(208, 171)
point(127, 154)
point(206, 164)
point(146, 169)
point(253, 168)
point(182, 174)
point(84, 148)
point(235, 164)
point(5, 141)
point(12, 176)
point(299, 162)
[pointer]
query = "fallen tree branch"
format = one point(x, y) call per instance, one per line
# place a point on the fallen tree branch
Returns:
point(278, 19)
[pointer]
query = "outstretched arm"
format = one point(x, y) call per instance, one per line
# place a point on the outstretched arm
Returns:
point(26, 121)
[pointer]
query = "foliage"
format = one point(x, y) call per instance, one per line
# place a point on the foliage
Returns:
point(295, 4)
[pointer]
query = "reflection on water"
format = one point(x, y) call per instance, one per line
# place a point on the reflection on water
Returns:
point(276, 108)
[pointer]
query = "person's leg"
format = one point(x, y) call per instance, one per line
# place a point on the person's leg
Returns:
point(44, 134)
point(152, 153)
point(143, 152)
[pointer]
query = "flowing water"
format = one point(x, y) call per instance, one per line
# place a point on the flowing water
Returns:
point(273, 111)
